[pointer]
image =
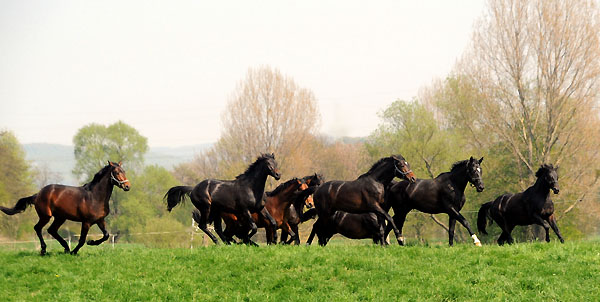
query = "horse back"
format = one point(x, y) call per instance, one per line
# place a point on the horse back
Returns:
point(69, 202)
point(349, 196)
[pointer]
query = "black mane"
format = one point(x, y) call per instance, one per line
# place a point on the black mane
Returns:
point(282, 187)
point(459, 164)
point(380, 162)
point(544, 168)
point(90, 185)
point(255, 164)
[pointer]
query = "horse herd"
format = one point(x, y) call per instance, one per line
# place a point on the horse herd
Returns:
point(355, 209)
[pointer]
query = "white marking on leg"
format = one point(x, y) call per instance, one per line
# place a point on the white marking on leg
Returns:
point(476, 240)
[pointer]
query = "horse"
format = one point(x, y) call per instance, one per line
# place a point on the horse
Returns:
point(241, 197)
point(294, 215)
point(353, 226)
point(87, 204)
point(276, 203)
point(532, 206)
point(363, 195)
point(443, 194)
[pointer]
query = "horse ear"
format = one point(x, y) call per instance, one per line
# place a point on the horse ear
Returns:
point(111, 163)
point(471, 159)
point(272, 155)
point(120, 163)
point(481, 159)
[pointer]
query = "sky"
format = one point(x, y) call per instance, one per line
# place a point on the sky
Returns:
point(168, 68)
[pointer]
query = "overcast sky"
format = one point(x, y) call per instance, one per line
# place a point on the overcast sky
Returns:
point(167, 68)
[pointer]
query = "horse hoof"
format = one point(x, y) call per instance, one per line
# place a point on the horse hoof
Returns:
point(43, 253)
point(67, 251)
point(477, 243)
point(74, 253)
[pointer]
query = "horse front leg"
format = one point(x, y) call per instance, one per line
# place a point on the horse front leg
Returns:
point(537, 219)
point(85, 227)
point(451, 226)
point(554, 227)
point(385, 216)
point(102, 225)
point(253, 228)
point(454, 214)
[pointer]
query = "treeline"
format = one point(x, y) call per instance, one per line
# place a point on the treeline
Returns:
point(524, 93)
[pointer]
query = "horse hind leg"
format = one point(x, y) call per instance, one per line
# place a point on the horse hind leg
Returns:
point(38, 230)
point(85, 227)
point(53, 230)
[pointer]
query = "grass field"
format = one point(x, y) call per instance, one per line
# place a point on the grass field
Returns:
point(522, 272)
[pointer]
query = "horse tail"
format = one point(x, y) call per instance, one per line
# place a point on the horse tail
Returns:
point(176, 195)
point(482, 217)
point(21, 205)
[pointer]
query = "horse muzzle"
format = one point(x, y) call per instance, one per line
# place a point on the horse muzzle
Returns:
point(555, 190)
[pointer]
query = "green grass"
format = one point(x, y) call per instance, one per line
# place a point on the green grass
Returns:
point(522, 272)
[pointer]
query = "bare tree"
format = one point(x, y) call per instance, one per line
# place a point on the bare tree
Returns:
point(268, 112)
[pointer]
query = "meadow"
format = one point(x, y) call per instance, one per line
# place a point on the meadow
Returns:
point(338, 272)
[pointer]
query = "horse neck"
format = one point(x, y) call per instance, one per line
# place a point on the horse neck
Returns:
point(285, 197)
point(541, 187)
point(459, 178)
point(382, 174)
point(257, 182)
point(102, 190)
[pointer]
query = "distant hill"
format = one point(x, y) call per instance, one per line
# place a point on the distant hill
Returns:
point(61, 159)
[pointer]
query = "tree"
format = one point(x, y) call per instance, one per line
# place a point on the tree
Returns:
point(16, 181)
point(268, 112)
point(527, 89)
point(95, 144)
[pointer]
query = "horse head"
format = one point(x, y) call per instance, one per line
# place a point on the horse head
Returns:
point(402, 169)
point(118, 177)
point(474, 173)
point(271, 165)
point(549, 174)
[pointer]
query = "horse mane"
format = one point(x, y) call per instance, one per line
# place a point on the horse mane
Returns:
point(281, 187)
point(90, 185)
point(379, 162)
point(544, 168)
point(459, 164)
point(255, 164)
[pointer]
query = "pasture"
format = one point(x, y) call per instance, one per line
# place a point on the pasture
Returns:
point(341, 271)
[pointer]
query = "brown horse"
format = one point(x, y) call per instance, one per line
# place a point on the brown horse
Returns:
point(277, 203)
point(533, 206)
point(87, 204)
point(295, 214)
point(363, 195)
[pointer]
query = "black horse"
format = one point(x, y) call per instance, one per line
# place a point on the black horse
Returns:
point(533, 206)
point(443, 194)
point(363, 195)
point(241, 196)
point(353, 226)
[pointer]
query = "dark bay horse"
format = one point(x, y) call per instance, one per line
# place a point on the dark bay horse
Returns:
point(353, 226)
point(241, 197)
point(276, 203)
point(87, 204)
point(533, 206)
point(295, 214)
point(363, 195)
point(443, 194)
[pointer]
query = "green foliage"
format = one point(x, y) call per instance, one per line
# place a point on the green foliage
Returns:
point(521, 272)
point(142, 210)
point(96, 144)
point(16, 181)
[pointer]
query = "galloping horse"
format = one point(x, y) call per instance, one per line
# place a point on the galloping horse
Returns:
point(276, 203)
point(241, 197)
point(533, 206)
point(87, 204)
point(443, 194)
point(295, 215)
point(363, 195)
